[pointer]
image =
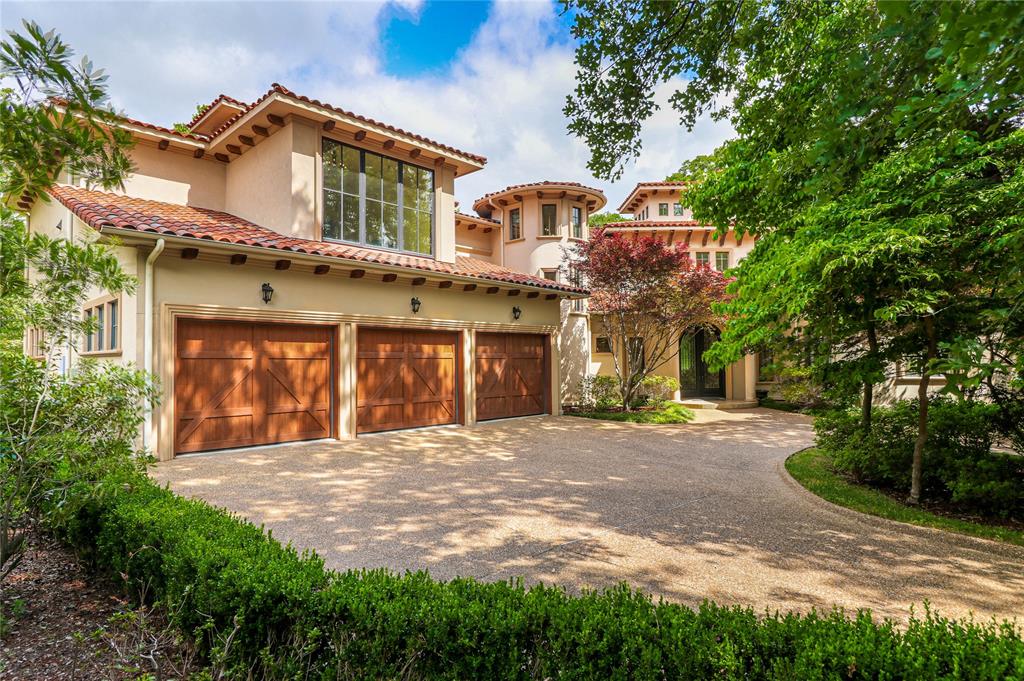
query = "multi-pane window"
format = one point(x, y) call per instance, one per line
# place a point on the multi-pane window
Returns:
point(549, 219)
point(722, 261)
point(576, 279)
point(702, 258)
point(677, 209)
point(105, 323)
point(515, 224)
point(577, 222)
point(376, 200)
point(663, 209)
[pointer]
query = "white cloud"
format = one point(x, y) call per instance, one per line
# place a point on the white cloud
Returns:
point(502, 96)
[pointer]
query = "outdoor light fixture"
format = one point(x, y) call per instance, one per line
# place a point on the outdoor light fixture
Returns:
point(516, 312)
point(415, 302)
point(268, 293)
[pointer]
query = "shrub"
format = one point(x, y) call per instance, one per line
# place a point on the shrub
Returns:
point(261, 610)
point(599, 392)
point(959, 464)
point(656, 390)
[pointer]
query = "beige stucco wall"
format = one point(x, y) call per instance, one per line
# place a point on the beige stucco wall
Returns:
point(573, 342)
point(213, 287)
point(175, 177)
point(259, 185)
point(533, 252)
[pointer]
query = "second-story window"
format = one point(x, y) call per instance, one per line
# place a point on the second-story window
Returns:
point(515, 225)
point(722, 261)
point(376, 200)
point(677, 209)
point(549, 219)
point(702, 258)
point(663, 209)
point(577, 222)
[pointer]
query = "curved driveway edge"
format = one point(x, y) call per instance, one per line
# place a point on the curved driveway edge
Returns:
point(692, 512)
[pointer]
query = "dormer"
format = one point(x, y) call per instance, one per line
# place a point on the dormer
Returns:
point(216, 114)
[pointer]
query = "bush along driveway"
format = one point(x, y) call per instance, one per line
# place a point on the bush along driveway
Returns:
point(685, 512)
point(261, 609)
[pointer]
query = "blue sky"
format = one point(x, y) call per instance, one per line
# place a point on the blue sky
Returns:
point(490, 77)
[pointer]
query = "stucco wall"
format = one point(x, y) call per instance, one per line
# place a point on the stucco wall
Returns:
point(175, 177)
point(573, 341)
point(534, 252)
point(259, 184)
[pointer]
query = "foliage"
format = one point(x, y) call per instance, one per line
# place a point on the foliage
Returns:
point(663, 413)
point(656, 390)
point(814, 469)
point(54, 116)
point(799, 385)
point(260, 610)
point(962, 470)
point(599, 219)
point(877, 159)
point(61, 433)
point(598, 392)
point(643, 288)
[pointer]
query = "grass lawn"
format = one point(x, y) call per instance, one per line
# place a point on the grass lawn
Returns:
point(670, 413)
point(812, 468)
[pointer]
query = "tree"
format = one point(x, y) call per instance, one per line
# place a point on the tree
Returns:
point(874, 159)
point(599, 219)
point(644, 295)
point(54, 117)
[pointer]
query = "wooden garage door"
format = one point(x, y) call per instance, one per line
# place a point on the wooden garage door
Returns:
point(237, 384)
point(405, 379)
point(511, 371)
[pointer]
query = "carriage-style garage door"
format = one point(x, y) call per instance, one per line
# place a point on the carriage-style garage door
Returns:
point(405, 379)
point(511, 370)
point(238, 384)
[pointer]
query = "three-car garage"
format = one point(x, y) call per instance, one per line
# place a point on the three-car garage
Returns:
point(240, 383)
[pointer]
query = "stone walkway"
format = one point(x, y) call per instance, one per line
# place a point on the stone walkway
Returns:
point(701, 511)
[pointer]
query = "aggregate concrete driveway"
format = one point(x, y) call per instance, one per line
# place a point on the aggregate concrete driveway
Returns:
point(688, 512)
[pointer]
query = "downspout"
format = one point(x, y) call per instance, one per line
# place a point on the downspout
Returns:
point(147, 333)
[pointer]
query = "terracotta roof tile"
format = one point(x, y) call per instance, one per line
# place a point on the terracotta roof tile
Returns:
point(219, 98)
point(477, 218)
point(101, 209)
point(668, 224)
point(543, 183)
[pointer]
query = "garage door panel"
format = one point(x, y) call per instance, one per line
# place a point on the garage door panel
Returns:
point(406, 379)
point(239, 384)
point(510, 375)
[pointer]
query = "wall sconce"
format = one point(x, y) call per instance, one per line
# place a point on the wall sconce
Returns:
point(516, 312)
point(415, 303)
point(268, 293)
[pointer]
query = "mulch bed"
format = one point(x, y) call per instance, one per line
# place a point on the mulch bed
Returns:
point(60, 626)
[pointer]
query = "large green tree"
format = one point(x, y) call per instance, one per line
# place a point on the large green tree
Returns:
point(876, 159)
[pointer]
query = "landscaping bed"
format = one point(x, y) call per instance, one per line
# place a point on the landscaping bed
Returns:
point(813, 469)
point(666, 413)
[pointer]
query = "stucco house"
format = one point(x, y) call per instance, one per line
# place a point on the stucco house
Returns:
point(304, 273)
point(657, 210)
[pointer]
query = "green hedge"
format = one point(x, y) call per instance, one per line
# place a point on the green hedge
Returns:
point(262, 610)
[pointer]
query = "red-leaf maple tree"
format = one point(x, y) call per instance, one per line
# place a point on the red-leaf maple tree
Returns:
point(645, 294)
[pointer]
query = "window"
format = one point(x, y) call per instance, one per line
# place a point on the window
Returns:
point(515, 225)
point(637, 356)
point(377, 201)
point(576, 280)
point(702, 258)
point(577, 222)
point(550, 275)
point(549, 219)
point(105, 320)
point(722, 261)
point(603, 344)
point(677, 209)
point(764, 366)
point(663, 209)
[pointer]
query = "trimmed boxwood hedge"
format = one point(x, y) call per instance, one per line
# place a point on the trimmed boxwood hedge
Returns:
point(261, 610)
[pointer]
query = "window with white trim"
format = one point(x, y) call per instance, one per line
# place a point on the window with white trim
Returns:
point(722, 261)
point(702, 258)
point(663, 210)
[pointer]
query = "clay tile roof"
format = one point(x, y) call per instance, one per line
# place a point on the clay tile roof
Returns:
point(666, 224)
point(649, 185)
point(476, 218)
point(544, 183)
point(219, 98)
point(103, 210)
point(277, 88)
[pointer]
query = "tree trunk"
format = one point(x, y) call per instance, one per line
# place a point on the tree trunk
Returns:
point(869, 385)
point(922, 416)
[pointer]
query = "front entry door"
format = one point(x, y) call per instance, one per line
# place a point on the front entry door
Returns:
point(695, 379)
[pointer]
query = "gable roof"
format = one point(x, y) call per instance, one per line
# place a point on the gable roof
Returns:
point(105, 211)
point(628, 204)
